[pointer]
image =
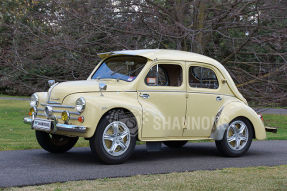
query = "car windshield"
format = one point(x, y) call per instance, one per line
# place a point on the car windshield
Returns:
point(124, 68)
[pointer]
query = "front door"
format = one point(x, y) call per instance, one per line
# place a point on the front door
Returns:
point(162, 94)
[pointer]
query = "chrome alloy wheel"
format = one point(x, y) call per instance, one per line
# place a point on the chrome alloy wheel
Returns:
point(116, 138)
point(237, 135)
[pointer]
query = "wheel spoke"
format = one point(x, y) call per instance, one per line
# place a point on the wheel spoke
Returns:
point(237, 143)
point(243, 138)
point(234, 129)
point(116, 128)
point(124, 134)
point(108, 137)
point(242, 128)
point(122, 145)
point(232, 138)
point(113, 147)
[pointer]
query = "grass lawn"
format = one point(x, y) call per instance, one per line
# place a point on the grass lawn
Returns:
point(14, 134)
point(279, 121)
point(17, 135)
point(252, 178)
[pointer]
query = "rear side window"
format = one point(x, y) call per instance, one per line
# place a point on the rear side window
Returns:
point(201, 77)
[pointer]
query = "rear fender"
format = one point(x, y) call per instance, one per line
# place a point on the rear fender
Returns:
point(234, 110)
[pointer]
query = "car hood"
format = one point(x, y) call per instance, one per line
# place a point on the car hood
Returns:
point(61, 90)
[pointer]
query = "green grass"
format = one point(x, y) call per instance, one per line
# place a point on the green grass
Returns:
point(279, 121)
point(14, 134)
point(252, 178)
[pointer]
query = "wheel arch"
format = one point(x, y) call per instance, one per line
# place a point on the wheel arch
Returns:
point(125, 110)
point(235, 110)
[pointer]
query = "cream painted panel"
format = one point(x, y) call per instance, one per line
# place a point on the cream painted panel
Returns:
point(164, 110)
point(202, 104)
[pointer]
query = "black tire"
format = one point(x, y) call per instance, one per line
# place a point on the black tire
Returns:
point(225, 149)
point(97, 143)
point(174, 144)
point(55, 143)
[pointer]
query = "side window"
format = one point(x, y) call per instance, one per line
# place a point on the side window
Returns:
point(201, 77)
point(164, 75)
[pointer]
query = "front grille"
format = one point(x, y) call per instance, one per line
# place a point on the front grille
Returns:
point(57, 111)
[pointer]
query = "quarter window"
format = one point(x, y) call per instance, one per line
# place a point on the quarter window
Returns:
point(201, 77)
point(164, 75)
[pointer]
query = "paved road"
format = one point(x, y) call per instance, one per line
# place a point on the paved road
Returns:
point(272, 111)
point(31, 167)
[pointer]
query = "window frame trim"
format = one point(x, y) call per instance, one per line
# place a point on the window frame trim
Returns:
point(203, 65)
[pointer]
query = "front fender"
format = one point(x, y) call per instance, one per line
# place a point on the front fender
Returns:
point(97, 105)
point(233, 110)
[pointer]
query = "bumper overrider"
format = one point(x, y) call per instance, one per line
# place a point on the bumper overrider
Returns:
point(50, 123)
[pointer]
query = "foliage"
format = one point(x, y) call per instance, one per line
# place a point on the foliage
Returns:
point(56, 39)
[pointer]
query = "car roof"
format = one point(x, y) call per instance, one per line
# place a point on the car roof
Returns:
point(162, 54)
point(165, 54)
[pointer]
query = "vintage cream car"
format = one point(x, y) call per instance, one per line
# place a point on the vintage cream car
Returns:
point(147, 95)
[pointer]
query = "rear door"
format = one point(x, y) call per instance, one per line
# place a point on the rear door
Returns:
point(205, 96)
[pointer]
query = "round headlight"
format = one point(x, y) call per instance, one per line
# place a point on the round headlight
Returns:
point(80, 104)
point(34, 100)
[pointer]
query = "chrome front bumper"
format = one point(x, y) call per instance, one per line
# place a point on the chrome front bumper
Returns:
point(59, 127)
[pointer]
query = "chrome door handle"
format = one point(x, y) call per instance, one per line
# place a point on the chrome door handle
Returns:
point(145, 96)
point(218, 98)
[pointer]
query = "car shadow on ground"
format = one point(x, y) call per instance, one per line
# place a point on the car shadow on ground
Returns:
point(193, 151)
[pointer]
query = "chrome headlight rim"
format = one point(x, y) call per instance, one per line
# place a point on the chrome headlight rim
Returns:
point(34, 100)
point(80, 104)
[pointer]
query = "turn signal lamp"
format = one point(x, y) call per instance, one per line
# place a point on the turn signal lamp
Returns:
point(31, 111)
point(81, 119)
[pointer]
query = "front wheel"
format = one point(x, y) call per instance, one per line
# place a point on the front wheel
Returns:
point(55, 143)
point(114, 139)
point(237, 138)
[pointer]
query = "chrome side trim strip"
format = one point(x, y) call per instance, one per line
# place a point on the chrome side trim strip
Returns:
point(161, 91)
point(192, 92)
point(59, 106)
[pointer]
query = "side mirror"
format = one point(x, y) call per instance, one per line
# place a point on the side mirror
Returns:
point(102, 86)
point(51, 82)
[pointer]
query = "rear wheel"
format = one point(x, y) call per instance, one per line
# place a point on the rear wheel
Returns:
point(174, 144)
point(55, 143)
point(237, 138)
point(115, 137)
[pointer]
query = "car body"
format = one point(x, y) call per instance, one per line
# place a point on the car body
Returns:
point(165, 96)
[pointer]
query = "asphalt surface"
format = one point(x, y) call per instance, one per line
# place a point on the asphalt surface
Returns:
point(34, 167)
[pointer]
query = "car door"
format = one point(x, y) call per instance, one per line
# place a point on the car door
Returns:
point(205, 95)
point(162, 95)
